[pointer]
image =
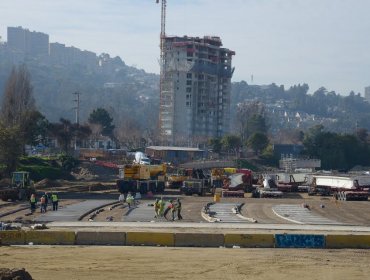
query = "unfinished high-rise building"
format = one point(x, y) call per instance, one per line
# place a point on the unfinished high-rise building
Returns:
point(195, 88)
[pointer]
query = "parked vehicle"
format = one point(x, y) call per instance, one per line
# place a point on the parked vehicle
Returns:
point(346, 187)
point(21, 187)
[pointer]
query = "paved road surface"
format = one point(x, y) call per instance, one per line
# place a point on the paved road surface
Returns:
point(297, 214)
point(72, 212)
point(223, 212)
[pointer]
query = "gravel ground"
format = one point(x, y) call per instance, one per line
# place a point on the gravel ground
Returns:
point(96, 262)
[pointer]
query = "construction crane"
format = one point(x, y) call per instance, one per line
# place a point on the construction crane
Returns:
point(162, 55)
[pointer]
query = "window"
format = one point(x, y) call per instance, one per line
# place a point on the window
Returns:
point(188, 89)
point(188, 75)
point(188, 83)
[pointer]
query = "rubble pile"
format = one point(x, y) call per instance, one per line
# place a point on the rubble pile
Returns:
point(82, 173)
point(14, 274)
point(47, 183)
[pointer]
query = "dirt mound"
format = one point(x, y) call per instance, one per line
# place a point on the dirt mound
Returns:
point(14, 274)
point(83, 173)
point(47, 183)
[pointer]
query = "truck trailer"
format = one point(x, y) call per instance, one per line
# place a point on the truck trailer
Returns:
point(346, 187)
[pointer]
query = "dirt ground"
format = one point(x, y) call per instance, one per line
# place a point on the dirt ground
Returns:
point(47, 262)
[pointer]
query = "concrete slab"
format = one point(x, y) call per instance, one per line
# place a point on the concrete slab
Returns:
point(72, 212)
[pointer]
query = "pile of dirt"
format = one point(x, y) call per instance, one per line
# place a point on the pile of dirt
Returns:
point(47, 183)
point(14, 274)
point(82, 173)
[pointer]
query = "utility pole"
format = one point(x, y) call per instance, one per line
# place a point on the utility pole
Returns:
point(77, 110)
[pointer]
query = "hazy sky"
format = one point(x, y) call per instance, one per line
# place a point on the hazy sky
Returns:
point(320, 42)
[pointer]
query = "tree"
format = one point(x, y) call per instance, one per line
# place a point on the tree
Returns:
point(34, 128)
point(215, 144)
point(16, 115)
point(231, 143)
point(18, 100)
point(258, 142)
point(65, 132)
point(11, 147)
point(251, 118)
point(102, 117)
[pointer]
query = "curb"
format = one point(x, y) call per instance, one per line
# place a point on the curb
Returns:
point(96, 208)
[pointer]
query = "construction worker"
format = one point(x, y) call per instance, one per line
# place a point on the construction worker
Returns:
point(162, 204)
point(33, 202)
point(157, 206)
point(178, 208)
point(130, 200)
point(42, 204)
point(54, 200)
point(171, 207)
point(121, 198)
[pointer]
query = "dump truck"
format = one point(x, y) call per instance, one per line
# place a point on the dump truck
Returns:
point(345, 187)
point(21, 187)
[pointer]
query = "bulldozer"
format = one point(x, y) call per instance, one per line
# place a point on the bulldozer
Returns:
point(21, 187)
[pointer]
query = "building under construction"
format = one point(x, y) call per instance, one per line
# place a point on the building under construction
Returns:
point(195, 88)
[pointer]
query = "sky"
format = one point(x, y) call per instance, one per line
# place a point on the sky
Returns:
point(318, 42)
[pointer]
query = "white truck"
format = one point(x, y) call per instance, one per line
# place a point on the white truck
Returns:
point(345, 187)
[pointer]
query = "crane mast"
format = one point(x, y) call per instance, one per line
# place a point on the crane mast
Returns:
point(162, 57)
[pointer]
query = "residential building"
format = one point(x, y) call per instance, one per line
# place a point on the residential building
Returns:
point(32, 43)
point(367, 93)
point(195, 88)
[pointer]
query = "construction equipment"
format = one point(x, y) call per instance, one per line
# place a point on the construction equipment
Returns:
point(196, 186)
point(141, 178)
point(217, 177)
point(268, 189)
point(162, 62)
point(21, 187)
point(346, 187)
point(176, 179)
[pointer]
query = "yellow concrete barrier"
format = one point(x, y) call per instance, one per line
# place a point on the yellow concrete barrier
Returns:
point(150, 238)
point(100, 238)
point(249, 240)
point(12, 237)
point(51, 237)
point(199, 240)
point(348, 241)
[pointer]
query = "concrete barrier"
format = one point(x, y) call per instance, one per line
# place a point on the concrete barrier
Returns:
point(150, 238)
point(249, 240)
point(199, 240)
point(100, 238)
point(50, 237)
point(348, 241)
point(12, 237)
point(299, 241)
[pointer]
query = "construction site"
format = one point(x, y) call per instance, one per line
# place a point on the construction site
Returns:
point(139, 217)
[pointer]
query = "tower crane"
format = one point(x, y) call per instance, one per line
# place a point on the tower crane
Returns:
point(162, 55)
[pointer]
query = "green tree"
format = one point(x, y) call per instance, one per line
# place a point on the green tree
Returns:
point(101, 117)
point(34, 128)
point(11, 147)
point(258, 142)
point(231, 143)
point(215, 144)
point(65, 132)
